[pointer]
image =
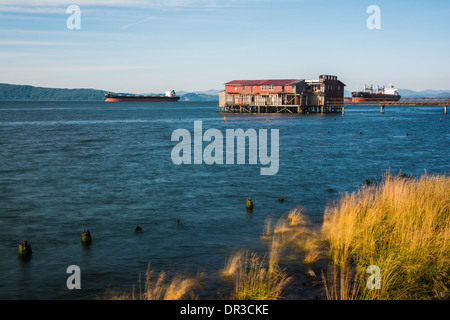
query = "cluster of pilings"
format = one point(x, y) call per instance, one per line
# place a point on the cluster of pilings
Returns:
point(24, 250)
point(279, 109)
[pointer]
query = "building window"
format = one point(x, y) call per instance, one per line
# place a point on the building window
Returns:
point(271, 87)
point(235, 88)
point(263, 87)
point(243, 88)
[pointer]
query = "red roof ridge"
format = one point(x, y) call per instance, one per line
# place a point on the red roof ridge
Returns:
point(278, 82)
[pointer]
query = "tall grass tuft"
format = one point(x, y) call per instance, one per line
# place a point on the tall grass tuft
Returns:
point(343, 283)
point(159, 287)
point(297, 218)
point(255, 279)
point(401, 225)
point(233, 264)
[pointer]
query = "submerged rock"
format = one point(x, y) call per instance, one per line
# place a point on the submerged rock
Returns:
point(311, 273)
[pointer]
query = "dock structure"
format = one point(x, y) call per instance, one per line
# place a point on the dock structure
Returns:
point(412, 102)
point(283, 96)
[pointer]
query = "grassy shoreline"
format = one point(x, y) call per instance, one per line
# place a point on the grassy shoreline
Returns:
point(400, 225)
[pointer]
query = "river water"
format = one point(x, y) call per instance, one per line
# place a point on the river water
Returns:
point(70, 166)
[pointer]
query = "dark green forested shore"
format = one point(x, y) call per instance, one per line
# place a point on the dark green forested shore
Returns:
point(11, 92)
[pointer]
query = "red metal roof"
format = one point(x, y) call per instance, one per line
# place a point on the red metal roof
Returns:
point(268, 82)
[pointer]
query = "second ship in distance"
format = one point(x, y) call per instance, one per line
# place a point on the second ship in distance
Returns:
point(383, 94)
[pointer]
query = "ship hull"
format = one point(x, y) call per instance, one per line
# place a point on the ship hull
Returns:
point(139, 98)
point(374, 99)
point(142, 99)
point(367, 97)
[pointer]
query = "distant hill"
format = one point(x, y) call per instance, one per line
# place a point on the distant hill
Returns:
point(13, 92)
point(424, 93)
point(198, 97)
point(210, 92)
point(23, 92)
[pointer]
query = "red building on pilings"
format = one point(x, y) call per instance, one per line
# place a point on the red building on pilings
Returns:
point(282, 95)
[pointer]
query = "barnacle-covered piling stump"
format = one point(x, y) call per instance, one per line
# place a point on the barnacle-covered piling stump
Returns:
point(86, 237)
point(24, 249)
point(249, 204)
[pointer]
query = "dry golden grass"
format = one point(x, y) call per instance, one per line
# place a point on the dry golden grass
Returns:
point(233, 264)
point(180, 287)
point(254, 279)
point(403, 227)
point(267, 232)
point(297, 218)
point(342, 283)
point(313, 249)
point(287, 226)
point(294, 229)
point(159, 287)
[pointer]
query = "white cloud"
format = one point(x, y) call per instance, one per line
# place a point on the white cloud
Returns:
point(32, 9)
point(112, 3)
point(39, 43)
point(72, 68)
point(59, 6)
point(59, 3)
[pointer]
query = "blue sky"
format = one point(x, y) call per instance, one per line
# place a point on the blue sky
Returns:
point(144, 46)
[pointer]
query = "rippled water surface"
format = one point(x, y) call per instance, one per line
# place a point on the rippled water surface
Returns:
point(70, 166)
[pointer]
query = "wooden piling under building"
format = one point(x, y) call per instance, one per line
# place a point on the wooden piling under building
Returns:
point(293, 109)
